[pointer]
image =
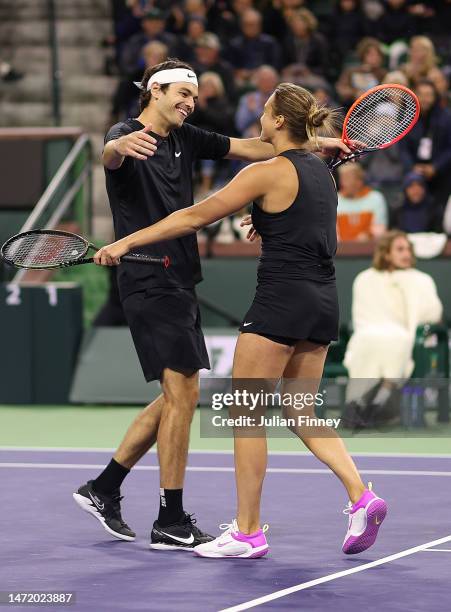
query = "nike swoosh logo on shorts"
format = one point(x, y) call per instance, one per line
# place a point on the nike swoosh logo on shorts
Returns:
point(178, 154)
point(246, 324)
point(96, 502)
point(189, 540)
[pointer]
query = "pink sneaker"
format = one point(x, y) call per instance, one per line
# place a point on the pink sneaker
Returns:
point(365, 518)
point(234, 544)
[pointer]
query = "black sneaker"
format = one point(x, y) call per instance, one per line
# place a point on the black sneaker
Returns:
point(183, 535)
point(106, 508)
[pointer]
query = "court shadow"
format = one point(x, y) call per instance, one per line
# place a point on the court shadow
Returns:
point(110, 544)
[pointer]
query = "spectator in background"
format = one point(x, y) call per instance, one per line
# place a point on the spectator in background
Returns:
point(349, 25)
point(277, 13)
point(362, 211)
point(208, 60)
point(224, 17)
point(395, 23)
point(422, 63)
point(426, 149)
point(125, 99)
point(389, 301)
point(355, 80)
point(252, 49)
point(213, 112)
point(396, 76)
point(154, 53)
point(440, 22)
point(385, 171)
point(153, 26)
point(324, 95)
point(250, 106)
point(304, 48)
point(195, 29)
point(183, 12)
point(417, 212)
point(194, 8)
point(126, 15)
point(425, 13)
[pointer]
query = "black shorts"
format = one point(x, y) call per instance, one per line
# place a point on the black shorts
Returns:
point(289, 310)
point(285, 340)
point(166, 330)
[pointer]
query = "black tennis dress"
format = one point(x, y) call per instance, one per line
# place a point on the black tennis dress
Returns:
point(296, 297)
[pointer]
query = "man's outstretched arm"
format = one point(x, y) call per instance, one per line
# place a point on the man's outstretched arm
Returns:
point(138, 144)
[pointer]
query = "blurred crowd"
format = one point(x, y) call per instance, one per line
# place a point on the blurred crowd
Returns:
point(337, 49)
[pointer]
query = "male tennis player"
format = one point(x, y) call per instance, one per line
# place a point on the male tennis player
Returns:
point(148, 164)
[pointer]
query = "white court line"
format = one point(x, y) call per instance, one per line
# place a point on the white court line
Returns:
point(354, 570)
point(193, 468)
point(437, 550)
point(79, 449)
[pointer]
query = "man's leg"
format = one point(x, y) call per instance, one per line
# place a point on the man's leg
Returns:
point(101, 497)
point(181, 394)
point(140, 436)
point(174, 528)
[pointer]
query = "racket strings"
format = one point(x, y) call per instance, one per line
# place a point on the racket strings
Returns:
point(36, 250)
point(381, 117)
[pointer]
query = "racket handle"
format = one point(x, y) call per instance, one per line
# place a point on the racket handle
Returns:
point(135, 258)
point(355, 155)
point(147, 259)
point(333, 162)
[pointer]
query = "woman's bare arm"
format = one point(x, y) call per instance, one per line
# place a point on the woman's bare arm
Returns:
point(251, 183)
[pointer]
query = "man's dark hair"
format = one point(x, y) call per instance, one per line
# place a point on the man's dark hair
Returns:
point(169, 64)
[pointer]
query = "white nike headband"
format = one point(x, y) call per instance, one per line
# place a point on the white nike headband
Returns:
point(173, 75)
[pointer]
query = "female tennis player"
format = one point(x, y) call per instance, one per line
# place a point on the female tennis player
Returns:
point(294, 315)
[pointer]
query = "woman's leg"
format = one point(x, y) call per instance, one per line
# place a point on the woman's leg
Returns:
point(306, 365)
point(255, 357)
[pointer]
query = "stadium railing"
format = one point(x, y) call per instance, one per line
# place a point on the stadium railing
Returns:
point(62, 161)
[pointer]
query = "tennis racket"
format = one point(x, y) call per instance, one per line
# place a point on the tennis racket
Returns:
point(46, 249)
point(378, 119)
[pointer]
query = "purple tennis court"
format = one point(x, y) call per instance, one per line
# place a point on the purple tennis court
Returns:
point(48, 544)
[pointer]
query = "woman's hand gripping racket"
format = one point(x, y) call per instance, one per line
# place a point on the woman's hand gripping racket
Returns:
point(46, 249)
point(378, 119)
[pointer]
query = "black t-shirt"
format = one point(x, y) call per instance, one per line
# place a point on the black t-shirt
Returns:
point(144, 192)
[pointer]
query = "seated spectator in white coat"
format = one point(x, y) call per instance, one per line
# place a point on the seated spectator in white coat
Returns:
point(389, 301)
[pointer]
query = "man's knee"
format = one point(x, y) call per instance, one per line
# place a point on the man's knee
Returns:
point(181, 391)
point(185, 402)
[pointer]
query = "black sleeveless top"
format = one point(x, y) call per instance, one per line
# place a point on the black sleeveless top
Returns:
point(303, 237)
